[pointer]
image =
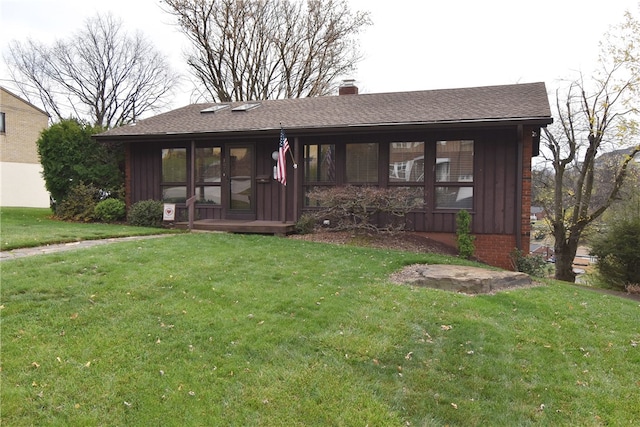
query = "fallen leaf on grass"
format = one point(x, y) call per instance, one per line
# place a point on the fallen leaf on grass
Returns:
point(446, 327)
point(454, 406)
point(35, 365)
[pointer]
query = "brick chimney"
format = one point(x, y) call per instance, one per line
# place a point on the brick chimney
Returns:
point(348, 87)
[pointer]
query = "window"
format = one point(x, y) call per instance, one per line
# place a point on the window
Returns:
point(246, 107)
point(454, 174)
point(2, 123)
point(320, 167)
point(362, 163)
point(174, 175)
point(406, 168)
point(208, 175)
point(406, 162)
point(320, 163)
point(215, 108)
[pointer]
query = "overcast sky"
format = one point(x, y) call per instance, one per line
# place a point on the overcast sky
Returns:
point(412, 44)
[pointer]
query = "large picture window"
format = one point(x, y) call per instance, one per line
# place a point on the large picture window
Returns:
point(362, 163)
point(454, 174)
point(174, 175)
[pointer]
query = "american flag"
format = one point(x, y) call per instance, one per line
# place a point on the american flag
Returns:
point(281, 170)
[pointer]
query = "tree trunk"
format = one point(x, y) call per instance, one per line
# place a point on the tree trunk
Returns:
point(565, 252)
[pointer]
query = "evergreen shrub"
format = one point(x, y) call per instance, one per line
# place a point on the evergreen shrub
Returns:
point(464, 239)
point(146, 213)
point(110, 210)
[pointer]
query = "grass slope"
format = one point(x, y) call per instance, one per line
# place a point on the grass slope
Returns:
point(215, 329)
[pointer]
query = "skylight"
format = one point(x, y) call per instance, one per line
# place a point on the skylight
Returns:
point(246, 107)
point(215, 108)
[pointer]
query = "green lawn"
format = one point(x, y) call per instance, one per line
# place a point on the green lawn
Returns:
point(29, 227)
point(240, 330)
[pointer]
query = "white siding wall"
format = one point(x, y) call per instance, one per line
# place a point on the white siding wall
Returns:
point(21, 184)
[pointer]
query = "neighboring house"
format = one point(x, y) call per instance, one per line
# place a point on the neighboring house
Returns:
point(537, 213)
point(458, 149)
point(21, 181)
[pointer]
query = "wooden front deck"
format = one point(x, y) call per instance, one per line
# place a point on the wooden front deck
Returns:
point(242, 226)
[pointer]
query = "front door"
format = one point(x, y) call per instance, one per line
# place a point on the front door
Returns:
point(239, 187)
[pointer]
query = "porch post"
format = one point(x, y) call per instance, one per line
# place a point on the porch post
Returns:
point(297, 179)
point(191, 201)
point(283, 203)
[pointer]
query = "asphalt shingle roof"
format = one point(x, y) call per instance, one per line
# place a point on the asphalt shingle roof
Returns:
point(520, 102)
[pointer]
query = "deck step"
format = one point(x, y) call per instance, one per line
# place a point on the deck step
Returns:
point(242, 226)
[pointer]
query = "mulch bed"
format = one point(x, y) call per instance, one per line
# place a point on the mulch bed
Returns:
point(404, 241)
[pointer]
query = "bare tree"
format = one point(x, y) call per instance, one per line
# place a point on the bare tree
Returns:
point(592, 116)
point(268, 49)
point(101, 74)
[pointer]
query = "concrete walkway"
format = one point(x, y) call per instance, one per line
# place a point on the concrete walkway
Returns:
point(63, 247)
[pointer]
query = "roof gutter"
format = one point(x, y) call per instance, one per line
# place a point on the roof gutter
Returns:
point(341, 128)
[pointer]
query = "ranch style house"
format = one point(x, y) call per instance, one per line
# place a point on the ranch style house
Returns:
point(467, 148)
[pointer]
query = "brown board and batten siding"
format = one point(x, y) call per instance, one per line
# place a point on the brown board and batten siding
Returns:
point(495, 179)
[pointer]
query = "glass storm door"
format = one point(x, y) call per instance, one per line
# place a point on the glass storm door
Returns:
point(240, 188)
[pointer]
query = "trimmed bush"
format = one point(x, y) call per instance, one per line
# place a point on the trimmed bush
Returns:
point(146, 213)
point(306, 224)
point(110, 210)
point(533, 265)
point(364, 208)
point(79, 203)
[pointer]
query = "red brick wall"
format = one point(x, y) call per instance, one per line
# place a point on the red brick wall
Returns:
point(494, 249)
